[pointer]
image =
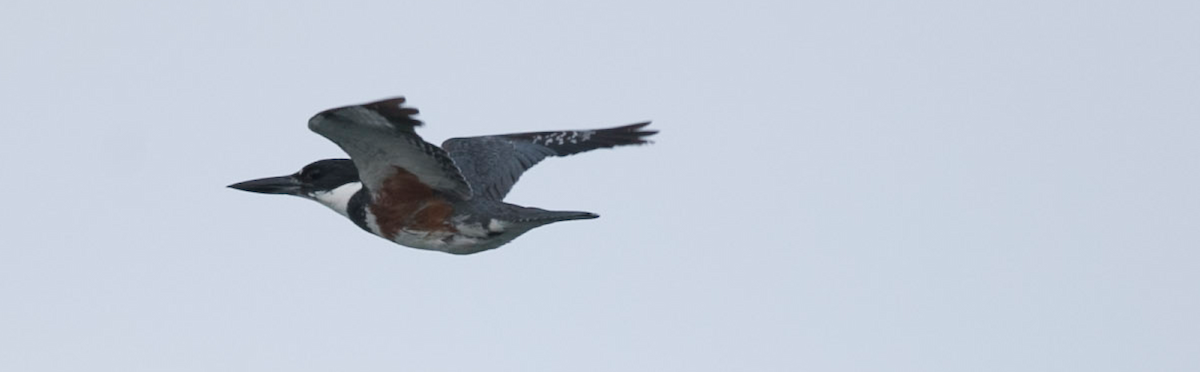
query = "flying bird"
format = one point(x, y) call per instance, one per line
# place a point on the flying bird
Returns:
point(413, 193)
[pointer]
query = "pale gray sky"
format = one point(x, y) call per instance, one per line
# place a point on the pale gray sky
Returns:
point(841, 186)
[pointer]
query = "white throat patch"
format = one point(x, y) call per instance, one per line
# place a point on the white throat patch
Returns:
point(338, 199)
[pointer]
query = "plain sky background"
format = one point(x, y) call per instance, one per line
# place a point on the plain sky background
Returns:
point(838, 186)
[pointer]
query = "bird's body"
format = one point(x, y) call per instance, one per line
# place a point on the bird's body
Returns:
point(409, 214)
point(447, 199)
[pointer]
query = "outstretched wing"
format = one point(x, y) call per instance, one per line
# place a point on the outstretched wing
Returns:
point(380, 139)
point(493, 164)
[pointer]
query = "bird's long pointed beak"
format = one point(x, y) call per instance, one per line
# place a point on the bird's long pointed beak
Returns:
point(288, 185)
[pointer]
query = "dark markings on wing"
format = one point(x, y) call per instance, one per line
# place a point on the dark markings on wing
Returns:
point(395, 112)
point(493, 164)
point(380, 138)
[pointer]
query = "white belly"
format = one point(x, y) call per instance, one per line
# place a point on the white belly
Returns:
point(468, 239)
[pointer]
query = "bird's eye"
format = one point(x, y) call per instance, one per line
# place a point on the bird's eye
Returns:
point(310, 174)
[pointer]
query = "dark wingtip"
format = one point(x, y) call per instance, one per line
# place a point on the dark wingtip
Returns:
point(631, 134)
point(633, 128)
point(393, 110)
point(582, 216)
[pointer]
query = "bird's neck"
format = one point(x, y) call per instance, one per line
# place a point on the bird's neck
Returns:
point(338, 199)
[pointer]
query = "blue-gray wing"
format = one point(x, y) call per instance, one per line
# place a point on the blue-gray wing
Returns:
point(380, 139)
point(493, 164)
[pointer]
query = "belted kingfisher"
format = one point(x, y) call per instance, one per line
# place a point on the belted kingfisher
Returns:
point(450, 198)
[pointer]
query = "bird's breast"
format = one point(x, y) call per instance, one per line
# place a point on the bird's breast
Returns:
point(403, 203)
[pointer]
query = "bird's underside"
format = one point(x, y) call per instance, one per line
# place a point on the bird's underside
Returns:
point(447, 198)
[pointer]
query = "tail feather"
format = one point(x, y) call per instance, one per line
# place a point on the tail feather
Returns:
point(544, 216)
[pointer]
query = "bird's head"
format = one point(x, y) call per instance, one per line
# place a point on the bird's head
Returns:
point(331, 182)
